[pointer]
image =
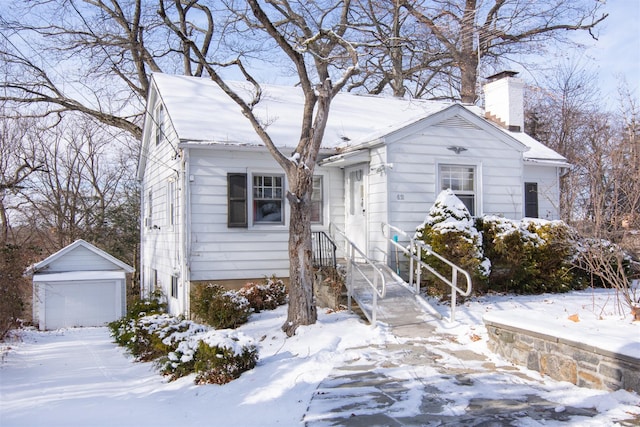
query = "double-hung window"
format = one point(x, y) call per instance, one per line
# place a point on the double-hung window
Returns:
point(268, 199)
point(265, 197)
point(461, 179)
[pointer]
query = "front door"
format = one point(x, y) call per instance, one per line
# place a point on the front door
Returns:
point(356, 214)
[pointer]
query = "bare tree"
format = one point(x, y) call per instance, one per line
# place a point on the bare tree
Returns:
point(399, 53)
point(87, 56)
point(82, 181)
point(313, 35)
point(472, 32)
point(564, 114)
point(18, 164)
point(18, 161)
point(600, 195)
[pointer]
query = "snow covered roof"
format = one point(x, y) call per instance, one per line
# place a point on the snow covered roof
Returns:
point(201, 112)
point(538, 152)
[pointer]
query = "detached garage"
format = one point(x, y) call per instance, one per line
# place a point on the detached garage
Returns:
point(79, 285)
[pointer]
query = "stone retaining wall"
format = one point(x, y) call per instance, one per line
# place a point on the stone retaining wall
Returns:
point(563, 359)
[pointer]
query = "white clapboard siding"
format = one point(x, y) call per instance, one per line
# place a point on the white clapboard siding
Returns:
point(220, 253)
point(161, 243)
point(81, 259)
point(548, 189)
point(417, 153)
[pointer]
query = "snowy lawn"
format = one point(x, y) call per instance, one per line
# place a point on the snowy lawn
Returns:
point(78, 377)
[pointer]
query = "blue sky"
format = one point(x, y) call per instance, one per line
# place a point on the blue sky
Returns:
point(617, 52)
point(613, 57)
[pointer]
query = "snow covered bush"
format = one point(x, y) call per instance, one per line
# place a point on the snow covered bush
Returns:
point(528, 256)
point(156, 303)
point(223, 356)
point(217, 307)
point(145, 337)
point(182, 347)
point(265, 296)
point(450, 231)
point(215, 356)
point(130, 333)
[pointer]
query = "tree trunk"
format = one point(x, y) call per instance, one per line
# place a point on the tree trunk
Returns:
point(302, 308)
point(467, 57)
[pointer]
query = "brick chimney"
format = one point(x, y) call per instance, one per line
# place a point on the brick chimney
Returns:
point(504, 100)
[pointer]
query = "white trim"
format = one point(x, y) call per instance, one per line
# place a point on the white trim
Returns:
point(79, 276)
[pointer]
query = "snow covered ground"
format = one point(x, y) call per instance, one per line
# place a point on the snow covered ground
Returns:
point(78, 377)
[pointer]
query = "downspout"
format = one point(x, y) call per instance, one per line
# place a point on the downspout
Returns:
point(185, 232)
point(142, 274)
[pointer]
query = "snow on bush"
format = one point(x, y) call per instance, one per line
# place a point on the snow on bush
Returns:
point(215, 356)
point(529, 256)
point(214, 305)
point(450, 231)
point(182, 347)
point(266, 296)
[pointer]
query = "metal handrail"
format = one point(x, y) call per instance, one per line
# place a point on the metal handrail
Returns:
point(323, 250)
point(414, 252)
point(378, 285)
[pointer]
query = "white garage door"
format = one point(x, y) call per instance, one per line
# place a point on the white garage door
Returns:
point(89, 303)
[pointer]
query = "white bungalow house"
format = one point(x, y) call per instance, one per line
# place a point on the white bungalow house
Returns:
point(213, 199)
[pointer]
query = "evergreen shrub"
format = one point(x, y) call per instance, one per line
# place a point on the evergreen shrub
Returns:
point(529, 256)
point(265, 296)
point(223, 357)
point(130, 333)
point(449, 230)
point(214, 305)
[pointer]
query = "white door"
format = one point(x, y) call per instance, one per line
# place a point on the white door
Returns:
point(356, 215)
point(72, 304)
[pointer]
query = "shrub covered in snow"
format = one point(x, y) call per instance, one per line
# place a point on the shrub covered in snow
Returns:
point(182, 347)
point(529, 256)
point(223, 356)
point(449, 230)
point(265, 296)
point(217, 307)
point(156, 303)
point(130, 333)
point(150, 337)
point(215, 356)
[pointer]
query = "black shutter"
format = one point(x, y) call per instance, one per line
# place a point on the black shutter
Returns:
point(237, 200)
point(531, 199)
